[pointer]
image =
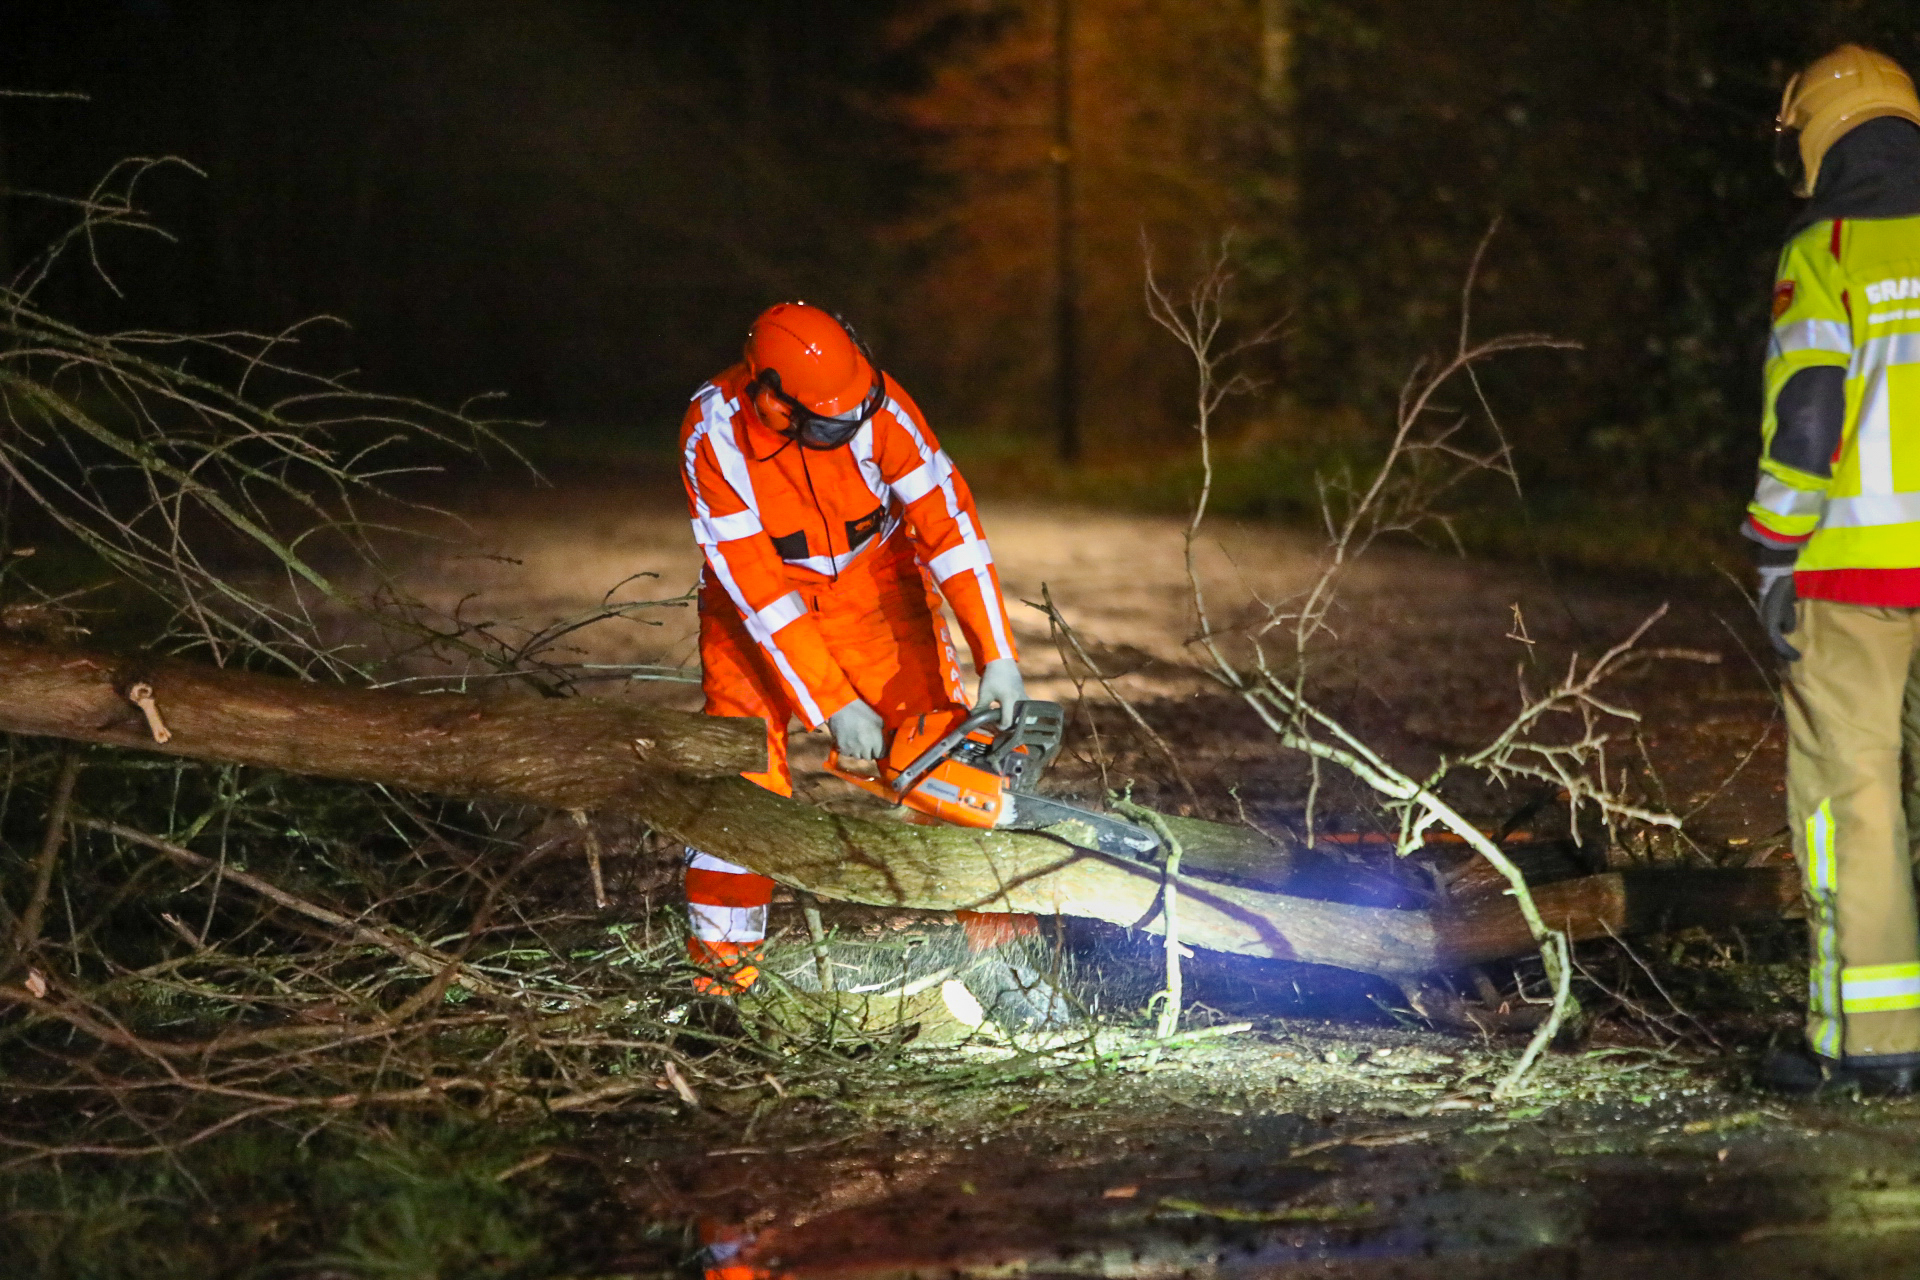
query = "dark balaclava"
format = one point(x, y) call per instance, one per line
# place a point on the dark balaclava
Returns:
point(1873, 171)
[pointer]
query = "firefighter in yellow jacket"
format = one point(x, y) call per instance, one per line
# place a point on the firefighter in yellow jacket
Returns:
point(1836, 517)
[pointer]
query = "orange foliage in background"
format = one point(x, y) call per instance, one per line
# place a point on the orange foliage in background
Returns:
point(1173, 139)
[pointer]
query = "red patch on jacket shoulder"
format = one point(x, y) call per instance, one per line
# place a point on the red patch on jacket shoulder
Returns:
point(1782, 298)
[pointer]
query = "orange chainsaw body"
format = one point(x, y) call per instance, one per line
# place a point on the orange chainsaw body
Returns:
point(964, 785)
point(962, 767)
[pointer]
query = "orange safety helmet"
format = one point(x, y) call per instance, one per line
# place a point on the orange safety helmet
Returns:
point(817, 367)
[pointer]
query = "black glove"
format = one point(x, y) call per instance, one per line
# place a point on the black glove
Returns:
point(1775, 599)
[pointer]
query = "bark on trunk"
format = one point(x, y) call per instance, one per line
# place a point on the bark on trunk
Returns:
point(896, 864)
point(571, 753)
point(676, 772)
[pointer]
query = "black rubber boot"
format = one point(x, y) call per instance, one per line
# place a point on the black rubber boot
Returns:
point(1802, 1073)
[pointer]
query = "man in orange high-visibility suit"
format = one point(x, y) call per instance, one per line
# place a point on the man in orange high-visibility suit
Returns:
point(827, 513)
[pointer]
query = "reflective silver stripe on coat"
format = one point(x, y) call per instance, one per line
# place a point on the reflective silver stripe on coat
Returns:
point(1873, 435)
point(943, 481)
point(708, 530)
point(1884, 351)
point(861, 446)
point(1813, 335)
point(923, 479)
point(1873, 425)
point(1870, 510)
point(1779, 498)
point(716, 428)
point(960, 559)
point(762, 624)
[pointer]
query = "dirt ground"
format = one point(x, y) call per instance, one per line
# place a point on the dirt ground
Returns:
point(1425, 657)
point(1340, 1141)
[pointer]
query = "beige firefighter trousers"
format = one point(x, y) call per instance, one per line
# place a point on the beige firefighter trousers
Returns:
point(1853, 702)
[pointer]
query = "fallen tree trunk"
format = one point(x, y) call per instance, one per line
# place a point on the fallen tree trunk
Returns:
point(676, 772)
point(896, 864)
point(570, 753)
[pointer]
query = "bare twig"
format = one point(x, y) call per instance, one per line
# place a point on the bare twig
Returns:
point(415, 954)
point(1062, 629)
point(1170, 996)
point(1654, 978)
point(27, 932)
point(817, 937)
point(592, 840)
point(1426, 455)
point(1195, 323)
point(425, 980)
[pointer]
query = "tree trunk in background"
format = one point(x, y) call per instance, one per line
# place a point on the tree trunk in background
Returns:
point(1276, 54)
point(676, 772)
point(1279, 176)
point(6, 205)
point(1066, 283)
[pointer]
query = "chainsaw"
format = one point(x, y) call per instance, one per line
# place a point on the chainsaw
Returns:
point(961, 767)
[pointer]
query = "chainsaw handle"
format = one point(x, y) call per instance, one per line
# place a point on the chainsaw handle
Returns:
point(924, 763)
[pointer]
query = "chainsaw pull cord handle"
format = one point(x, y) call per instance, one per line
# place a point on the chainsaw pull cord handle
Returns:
point(924, 763)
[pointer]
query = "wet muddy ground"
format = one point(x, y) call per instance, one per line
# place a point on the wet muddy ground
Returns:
point(1235, 1161)
point(1340, 1140)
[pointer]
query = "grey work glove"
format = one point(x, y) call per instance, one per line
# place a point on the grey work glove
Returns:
point(858, 732)
point(1000, 682)
point(1775, 600)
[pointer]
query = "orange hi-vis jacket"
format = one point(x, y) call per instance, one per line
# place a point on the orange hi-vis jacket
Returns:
point(775, 519)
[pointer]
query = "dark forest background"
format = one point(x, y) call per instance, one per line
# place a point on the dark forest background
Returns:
point(581, 203)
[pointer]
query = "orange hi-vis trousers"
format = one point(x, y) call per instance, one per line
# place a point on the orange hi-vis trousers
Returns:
point(882, 623)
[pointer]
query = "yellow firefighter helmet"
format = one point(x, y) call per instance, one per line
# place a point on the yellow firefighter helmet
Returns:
point(1845, 88)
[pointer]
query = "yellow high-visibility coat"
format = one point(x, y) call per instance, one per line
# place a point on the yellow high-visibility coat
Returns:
point(1848, 296)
